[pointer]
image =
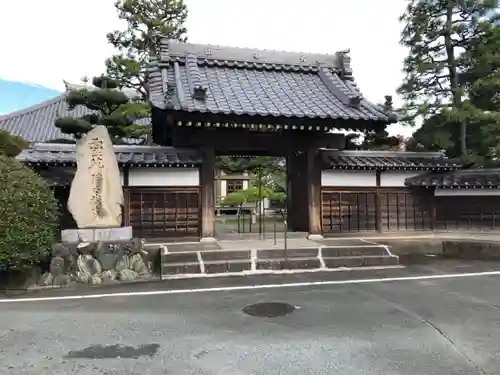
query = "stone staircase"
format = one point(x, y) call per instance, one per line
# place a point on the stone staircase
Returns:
point(200, 263)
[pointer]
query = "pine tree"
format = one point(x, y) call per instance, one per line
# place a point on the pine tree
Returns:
point(108, 106)
point(436, 33)
point(148, 21)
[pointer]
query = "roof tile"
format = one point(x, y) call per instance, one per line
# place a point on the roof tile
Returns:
point(465, 178)
point(241, 81)
point(64, 154)
point(380, 160)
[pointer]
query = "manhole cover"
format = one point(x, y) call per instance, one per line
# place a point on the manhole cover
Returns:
point(269, 309)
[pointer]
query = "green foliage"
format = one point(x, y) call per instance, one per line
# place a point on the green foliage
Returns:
point(252, 195)
point(11, 145)
point(110, 107)
point(147, 22)
point(480, 108)
point(272, 170)
point(28, 216)
point(436, 33)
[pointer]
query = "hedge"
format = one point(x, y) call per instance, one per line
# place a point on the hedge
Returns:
point(28, 216)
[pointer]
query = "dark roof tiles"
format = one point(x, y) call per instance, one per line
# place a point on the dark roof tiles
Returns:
point(386, 160)
point(240, 81)
point(63, 154)
point(465, 178)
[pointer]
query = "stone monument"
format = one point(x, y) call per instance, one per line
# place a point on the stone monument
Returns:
point(96, 195)
point(100, 251)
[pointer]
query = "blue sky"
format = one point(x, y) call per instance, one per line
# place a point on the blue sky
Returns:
point(17, 95)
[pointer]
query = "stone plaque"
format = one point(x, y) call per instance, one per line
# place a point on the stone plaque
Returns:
point(96, 195)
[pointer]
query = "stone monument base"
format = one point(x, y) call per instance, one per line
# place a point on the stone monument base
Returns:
point(96, 234)
point(98, 262)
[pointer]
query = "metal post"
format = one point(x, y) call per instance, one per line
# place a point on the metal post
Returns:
point(285, 245)
point(274, 233)
point(259, 171)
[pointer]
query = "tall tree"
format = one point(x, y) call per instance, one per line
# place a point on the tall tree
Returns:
point(108, 106)
point(147, 22)
point(436, 33)
point(480, 81)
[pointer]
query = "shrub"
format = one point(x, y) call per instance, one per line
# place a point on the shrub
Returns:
point(11, 145)
point(28, 216)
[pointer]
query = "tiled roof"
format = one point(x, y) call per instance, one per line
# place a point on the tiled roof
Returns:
point(142, 156)
point(36, 123)
point(383, 160)
point(241, 81)
point(464, 178)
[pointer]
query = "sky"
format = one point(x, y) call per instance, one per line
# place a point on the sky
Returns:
point(56, 40)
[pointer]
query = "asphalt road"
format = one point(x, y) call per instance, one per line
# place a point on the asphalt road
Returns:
point(448, 325)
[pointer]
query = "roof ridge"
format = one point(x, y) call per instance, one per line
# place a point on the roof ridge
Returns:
point(173, 48)
point(385, 154)
point(33, 108)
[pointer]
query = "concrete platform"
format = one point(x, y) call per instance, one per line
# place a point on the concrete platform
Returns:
point(251, 257)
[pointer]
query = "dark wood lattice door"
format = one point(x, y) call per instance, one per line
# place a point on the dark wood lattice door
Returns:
point(165, 212)
point(348, 211)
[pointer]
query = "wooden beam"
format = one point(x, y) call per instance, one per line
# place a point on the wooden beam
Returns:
point(207, 177)
point(378, 203)
point(313, 167)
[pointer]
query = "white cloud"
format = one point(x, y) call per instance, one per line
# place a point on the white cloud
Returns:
point(47, 41)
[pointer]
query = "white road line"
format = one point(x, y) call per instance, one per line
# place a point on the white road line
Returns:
point(254, 287)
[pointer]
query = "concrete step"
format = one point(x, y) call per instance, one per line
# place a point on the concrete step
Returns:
point(213, 262)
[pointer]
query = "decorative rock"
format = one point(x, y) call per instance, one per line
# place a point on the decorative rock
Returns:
point(86, 248)
point(88, 265)
point(83, 277)
point(127, 275)
point(123, 263)
point(46, 279)
point(62, 280)
point(108, 276)
point(137, 264)
point(107, 261)
point(95, 280)
point(96, 195)
point(57, 266)
point(61, 250)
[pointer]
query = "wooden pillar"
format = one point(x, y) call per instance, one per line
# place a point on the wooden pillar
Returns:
point(207, 176)
point(378, 204)
point(290, 192)
point(313, 180)
point(126, 197)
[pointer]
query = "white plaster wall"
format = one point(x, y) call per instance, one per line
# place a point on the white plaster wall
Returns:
point(396, 178)
point(348, 178)
point(245, 184)
point(164, 177)
point(223, 188)
point(466, 192)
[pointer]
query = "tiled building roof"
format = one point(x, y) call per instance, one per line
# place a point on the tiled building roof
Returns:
point(464, 178)
point(215, 80)
point(387, 160)
point(52, 154)
point(36, 123)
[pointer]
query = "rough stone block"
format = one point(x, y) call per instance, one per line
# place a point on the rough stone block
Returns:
point(57, 266)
